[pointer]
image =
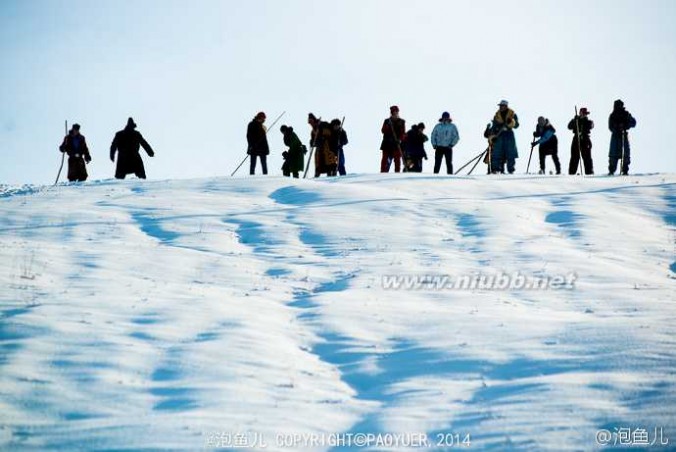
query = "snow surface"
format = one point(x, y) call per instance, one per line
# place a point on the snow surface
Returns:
point(154, 314)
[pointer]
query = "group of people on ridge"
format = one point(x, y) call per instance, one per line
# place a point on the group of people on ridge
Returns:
point(619, 122)
point(398, 145)
point(126, 144)
point(326, 138)
point(501, 154)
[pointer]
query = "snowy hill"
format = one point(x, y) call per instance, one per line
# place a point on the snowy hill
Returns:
point(180, 314)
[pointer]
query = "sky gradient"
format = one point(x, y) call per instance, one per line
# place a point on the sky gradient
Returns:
point(193, 74)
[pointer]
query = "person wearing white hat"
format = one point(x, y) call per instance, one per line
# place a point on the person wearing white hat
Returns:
point(501, 136)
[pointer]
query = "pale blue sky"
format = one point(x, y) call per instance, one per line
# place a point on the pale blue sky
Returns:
point(193, 74)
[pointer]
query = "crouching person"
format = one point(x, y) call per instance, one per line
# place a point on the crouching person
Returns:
point(548, 142)
point(294, 160)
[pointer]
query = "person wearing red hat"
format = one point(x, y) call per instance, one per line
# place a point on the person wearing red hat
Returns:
point(581, 126)
point(394, 132)
point(257, 140)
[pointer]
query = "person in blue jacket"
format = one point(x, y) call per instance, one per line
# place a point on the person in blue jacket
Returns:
point(501, 137)
point(444, 137)
point(619, 122)
point(548, 142)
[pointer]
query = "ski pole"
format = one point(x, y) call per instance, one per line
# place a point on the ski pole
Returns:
point(63, 156)
point(579, 138)
point(240, 165)
point(312, 149)
point(477, 162)
point(275, 121)
point(532, 146)
point(470, 162)
point(340, 146)
point(490, 156)
point(622, 155)
point(491, 139)
point(309, 159)
point(265, 133)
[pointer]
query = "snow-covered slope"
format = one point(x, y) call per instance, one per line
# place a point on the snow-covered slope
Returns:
point(171, 314)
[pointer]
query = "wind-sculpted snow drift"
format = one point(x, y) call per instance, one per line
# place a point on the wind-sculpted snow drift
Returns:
point(170, 315)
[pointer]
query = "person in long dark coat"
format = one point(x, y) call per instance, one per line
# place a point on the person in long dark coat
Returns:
point(338, 142)
point(415, 148)
point(294, 161)
point(619, 123)
point(127, 143)
point(257, 140)
point(326, 158)
point(394, 132)
point(503, 149)
point(581, 143)
point(75, 146)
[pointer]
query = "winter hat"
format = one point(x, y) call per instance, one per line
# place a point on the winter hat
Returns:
point(394, 109)
point(76, 126)
point(421, 126)
point(618, 104)
point(131, 123)
point(504, 102)
point(260, 115)
point(584, 111)
point(284, 128)
point(335, 122)
point(445, 115)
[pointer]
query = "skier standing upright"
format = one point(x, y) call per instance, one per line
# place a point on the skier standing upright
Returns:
point(501, 135)
point(127, 143)
point(619, 123)
point(394, 132)
point(257, 140)
point(444, 137)
point(338, 141)
point(581, 143)
point(75, 146)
